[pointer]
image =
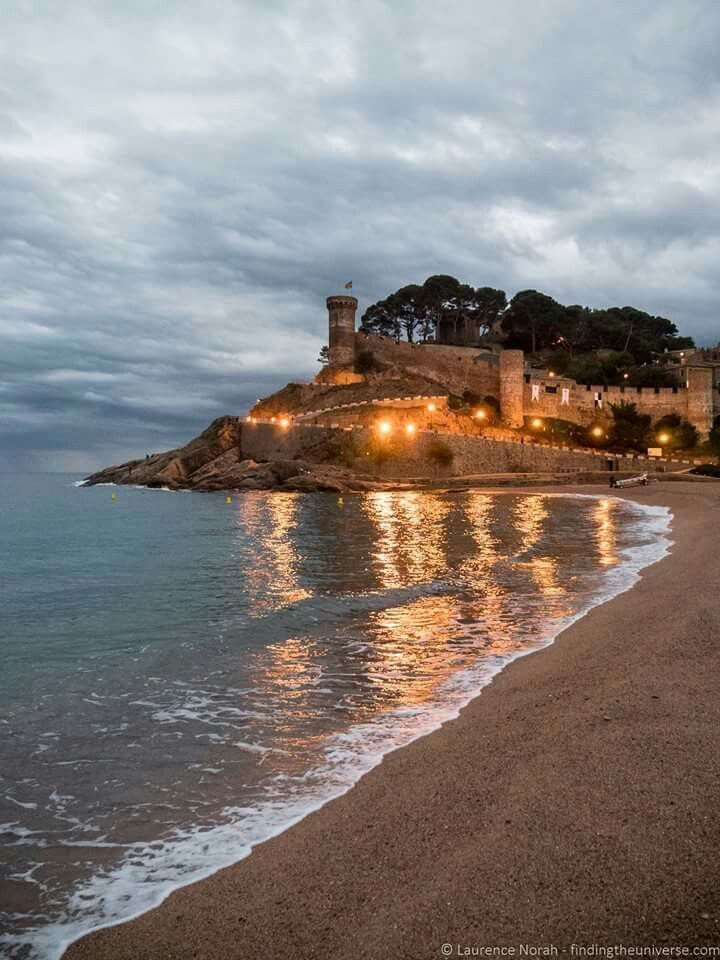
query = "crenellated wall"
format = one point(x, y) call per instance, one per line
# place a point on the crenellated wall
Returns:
point(586, 404)
point(501, 375)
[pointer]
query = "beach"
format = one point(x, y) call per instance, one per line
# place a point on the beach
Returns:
point(573, 802)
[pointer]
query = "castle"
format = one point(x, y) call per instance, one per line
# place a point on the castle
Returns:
point(519, 390)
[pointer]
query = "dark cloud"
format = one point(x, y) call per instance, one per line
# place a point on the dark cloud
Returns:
point(180, 187)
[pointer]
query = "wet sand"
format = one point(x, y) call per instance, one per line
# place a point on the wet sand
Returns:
point(575, 801)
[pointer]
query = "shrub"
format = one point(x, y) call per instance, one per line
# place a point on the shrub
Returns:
point(564, 431)
point(683, 435)
point(440, 453)
point(365, 362)
point(493, 403)
point(629, 430)
point(471, 399)
point(380, 450)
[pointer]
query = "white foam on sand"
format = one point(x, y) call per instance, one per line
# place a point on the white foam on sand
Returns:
point(150, 872)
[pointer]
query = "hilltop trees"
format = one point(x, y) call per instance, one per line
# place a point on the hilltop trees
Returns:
point(534, 322)
point(629, 430)
point(442, 303)
point(589, 345)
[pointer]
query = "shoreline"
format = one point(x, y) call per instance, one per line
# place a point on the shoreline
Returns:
point(208, 902)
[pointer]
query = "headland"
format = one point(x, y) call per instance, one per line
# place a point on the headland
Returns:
point(383, 413)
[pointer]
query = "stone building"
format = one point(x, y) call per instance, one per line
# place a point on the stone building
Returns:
point(520, 391)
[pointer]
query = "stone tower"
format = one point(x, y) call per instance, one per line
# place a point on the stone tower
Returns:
point(512, 385)
point(341, 319)
point(700, 399)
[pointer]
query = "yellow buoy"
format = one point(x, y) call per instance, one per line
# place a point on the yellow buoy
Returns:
point(341, 501)
point(228, 499)
point(114, 496)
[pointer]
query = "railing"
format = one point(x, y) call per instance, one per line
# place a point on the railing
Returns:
point(381, 401)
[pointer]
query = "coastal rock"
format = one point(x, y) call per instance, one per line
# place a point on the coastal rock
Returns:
point(175, 468)
point(214, 462)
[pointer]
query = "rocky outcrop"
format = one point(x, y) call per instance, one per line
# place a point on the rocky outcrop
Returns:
point(214, 461)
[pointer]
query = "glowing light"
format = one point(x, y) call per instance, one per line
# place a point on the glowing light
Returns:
point(536, 423)
point(410, 428)
point(551, 373)
point(272, 419)
point(284, 422)
point(431, 407)
point(598, 432)
point(626, 376)
point(480, 414)
point(385, 427)
point(663, 438)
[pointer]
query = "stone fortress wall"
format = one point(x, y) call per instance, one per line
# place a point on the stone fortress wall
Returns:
point(523, 392)
point(456, 368)
point(412, 457)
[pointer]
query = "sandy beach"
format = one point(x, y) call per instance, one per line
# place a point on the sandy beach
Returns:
point(575, 801)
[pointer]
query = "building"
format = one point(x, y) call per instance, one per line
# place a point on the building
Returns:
point(519, 390)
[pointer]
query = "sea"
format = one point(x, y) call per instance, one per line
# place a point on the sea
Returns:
point(183, 675)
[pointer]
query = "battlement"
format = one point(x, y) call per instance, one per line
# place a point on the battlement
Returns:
point(463, 369)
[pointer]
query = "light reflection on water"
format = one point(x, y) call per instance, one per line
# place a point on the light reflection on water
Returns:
point(310, 618)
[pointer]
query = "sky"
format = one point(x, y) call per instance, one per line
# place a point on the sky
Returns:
point(182, 185)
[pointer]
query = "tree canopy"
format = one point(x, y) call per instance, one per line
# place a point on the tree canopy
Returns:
point(587, 344)
point(442, 303)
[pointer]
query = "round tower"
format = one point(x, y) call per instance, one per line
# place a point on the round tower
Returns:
point(512, 383)
point(341, 320)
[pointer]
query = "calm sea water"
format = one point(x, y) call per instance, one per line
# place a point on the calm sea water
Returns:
point(182, 677)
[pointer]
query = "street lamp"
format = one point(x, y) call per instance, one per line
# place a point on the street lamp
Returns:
point(409, 429)
point(536, 423)
point(598, 432)
point(663, 439)
point(384, 427)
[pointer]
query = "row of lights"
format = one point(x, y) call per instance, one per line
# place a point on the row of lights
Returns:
point(385, 428)
point(283, 422)
point(552, 374)
point(662, 438)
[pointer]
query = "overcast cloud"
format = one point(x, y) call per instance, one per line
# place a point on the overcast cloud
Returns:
point(182, 184)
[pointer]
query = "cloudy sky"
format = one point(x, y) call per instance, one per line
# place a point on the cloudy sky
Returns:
point(182, 184)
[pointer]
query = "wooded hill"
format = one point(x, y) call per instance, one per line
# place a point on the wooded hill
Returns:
point(590, 345)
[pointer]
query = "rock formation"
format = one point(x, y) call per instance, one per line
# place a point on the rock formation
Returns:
point(214, 461)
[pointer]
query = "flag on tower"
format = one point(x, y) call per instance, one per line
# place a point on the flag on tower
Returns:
point(348, 285)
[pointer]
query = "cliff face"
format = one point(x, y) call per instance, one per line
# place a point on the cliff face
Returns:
point(214, 461)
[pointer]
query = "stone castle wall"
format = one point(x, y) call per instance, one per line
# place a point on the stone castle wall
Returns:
point(412, 457)
point(456, 368)
point(589, 403)
point(501, 375)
